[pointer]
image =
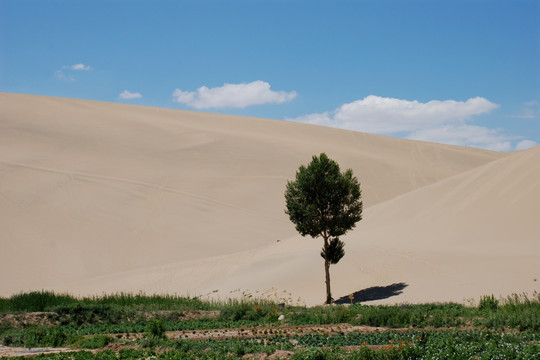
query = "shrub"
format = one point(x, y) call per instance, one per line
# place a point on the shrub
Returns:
point(153, 342)
point(36, 301)
point(80, 314)
point(488, 303)
point(156, 329)
point(253, 311)
point(94, 342)
point(38, 337)
point(183, 346)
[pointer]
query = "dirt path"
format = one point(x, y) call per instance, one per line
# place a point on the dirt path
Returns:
point(6, 351)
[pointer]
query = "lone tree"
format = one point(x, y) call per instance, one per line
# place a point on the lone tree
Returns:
point(324, 202)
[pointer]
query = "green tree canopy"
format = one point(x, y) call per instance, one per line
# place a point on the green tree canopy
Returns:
point(324, 202)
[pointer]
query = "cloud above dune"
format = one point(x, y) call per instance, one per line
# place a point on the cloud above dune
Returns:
point(530, 110)
point(434, 121)
point(233, 96)
point(526, 144)
point(61, 75)
point(66, 72)
point(466, 135)
point(80, 67)
point(128, 95)
point(375, 114)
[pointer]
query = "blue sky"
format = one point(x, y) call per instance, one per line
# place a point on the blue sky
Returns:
point(458, 72)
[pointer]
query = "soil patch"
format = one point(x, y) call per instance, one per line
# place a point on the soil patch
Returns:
point(6, 351)
point(17, 321)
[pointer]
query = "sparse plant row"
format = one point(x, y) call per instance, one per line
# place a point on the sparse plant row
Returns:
point(388, 345)
point(270, 331)
point(69, 335)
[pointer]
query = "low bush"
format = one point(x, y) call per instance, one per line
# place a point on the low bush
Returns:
point(251, 311)
point(79, 314)
point(47, 300)
point(35, 301)
point(488, 303)
point(156, 328)
point(36, 337)
point(94, 342)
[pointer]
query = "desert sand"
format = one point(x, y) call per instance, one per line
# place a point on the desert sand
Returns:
point(100, 197)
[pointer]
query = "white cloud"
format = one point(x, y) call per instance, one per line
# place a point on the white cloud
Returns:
point(434, 121)
point(232, 96)
point(324, 119)
point(80, 67)
point(531, 110)
point(381, 115)
point(128, 95)
point(64, 77)
point(66, 72)
point(466, 135)
point(526, 144)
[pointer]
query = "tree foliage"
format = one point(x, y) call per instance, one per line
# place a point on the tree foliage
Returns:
point(334, 252)
point(324, 202)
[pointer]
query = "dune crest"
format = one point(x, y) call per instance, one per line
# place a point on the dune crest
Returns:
point(99, 196)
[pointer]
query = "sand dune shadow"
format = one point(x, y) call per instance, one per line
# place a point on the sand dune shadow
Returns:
point(373, 293)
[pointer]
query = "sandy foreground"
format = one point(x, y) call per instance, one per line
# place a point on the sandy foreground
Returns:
point(102, 197)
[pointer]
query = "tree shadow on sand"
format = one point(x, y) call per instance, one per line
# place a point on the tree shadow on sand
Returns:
point(373, 293)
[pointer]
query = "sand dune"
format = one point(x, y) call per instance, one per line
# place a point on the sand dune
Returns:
point(473, 234)
point(470, 235)
point(109, 197)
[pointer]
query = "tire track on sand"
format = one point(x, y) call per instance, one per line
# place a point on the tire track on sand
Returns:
point(95, 177)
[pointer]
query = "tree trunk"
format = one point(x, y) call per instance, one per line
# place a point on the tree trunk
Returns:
point(327, 273)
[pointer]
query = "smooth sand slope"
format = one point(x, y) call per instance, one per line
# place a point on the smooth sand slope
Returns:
point(109, 197)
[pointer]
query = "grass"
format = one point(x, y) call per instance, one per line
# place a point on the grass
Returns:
point(495, 328)
point(48, 301)
point(34, 301)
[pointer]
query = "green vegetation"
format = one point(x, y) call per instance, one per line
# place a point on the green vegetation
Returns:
point(137, 326)
point(47, 301)
point(488, 303)
point(323, 202)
